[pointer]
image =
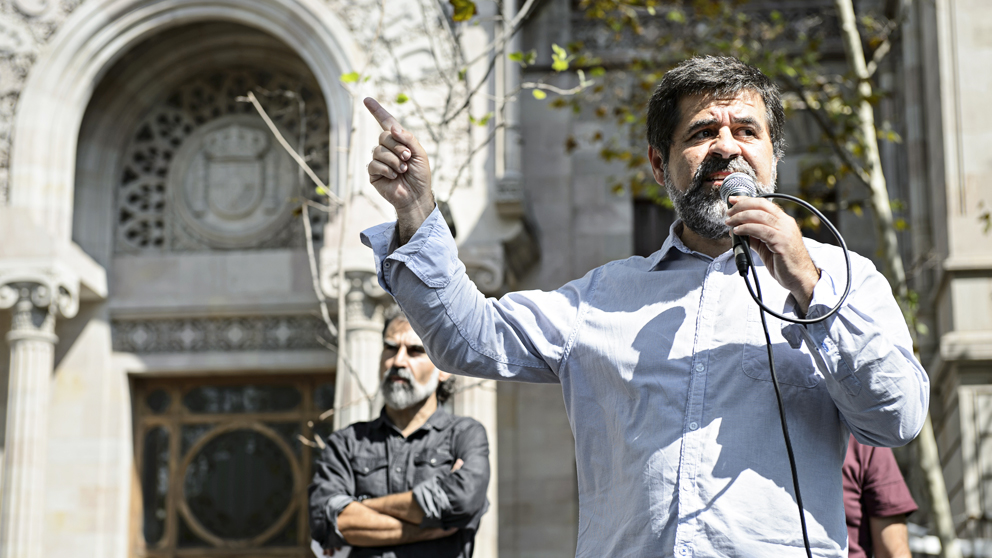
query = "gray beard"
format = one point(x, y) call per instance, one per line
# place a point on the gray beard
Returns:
point(400, 396)
point(700, 207)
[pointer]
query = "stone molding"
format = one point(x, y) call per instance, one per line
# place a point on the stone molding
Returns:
point(194, 335)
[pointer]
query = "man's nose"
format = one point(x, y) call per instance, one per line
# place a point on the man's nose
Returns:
point(401, 358)
point(725, 145)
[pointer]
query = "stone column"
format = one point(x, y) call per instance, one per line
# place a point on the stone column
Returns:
point(358, 371)
point(35, 303)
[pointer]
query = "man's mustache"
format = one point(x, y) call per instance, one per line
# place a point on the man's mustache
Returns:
point(716, 163)
point(401, 373)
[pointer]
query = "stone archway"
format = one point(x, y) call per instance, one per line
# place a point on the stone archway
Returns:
point(61, 82)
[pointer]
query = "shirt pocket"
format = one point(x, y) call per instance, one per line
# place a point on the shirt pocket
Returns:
point(431, 462)
point(370, 476)
point(794, 367)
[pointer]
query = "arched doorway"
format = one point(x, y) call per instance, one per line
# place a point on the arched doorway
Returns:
point(183, 194)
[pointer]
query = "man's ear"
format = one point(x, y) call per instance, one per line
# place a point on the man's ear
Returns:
point(442, 375)
point(657, 165)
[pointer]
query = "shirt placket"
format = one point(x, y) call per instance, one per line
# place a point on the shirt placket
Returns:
point(397, 451)
point(692, 439)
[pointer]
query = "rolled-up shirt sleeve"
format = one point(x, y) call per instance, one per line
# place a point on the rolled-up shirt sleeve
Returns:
point(457, 499)
point(332, 489)
point(523, 336)
point(865, 353)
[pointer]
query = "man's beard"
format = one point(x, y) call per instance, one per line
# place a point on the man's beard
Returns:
point(700, 207)
point(403, 395)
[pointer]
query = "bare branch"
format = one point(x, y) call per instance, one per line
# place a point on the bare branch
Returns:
point(289, 149)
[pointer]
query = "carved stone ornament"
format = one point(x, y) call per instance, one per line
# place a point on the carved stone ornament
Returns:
point(36, 300)
point(44, 291)
point(203, 172)
point(191, 335)
point(231, 184)
point(32, 7)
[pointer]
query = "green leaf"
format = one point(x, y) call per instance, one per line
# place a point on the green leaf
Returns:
point(464, 9)
point(480, 121)
point(350, 77)
point(675, 16)
point(559, 58)
point(402, 98)
point(539, 95)
point(523, 58)
point(598, 71)
point(322, 191)
point(462, 73)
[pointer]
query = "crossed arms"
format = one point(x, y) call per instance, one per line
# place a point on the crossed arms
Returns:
point(388, 520)
point(437, 507)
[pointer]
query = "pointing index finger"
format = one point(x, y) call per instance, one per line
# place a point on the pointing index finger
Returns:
point(386, 121)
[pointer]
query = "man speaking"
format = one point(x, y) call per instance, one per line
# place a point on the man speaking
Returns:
point(662, 360)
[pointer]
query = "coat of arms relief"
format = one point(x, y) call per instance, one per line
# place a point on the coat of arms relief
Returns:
point(231, 184)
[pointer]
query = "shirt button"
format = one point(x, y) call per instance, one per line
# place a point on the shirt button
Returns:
point(718, 266)
point(399, 470)
point(386, 264)
point(433, 460)
point(700, 367)
point(366, 470)
point(684, 551)
point(693, 425)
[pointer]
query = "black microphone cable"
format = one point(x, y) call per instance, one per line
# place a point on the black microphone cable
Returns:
point(745, 185)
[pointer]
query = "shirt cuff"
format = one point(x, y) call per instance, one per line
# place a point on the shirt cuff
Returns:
point(825, 297)
point(333, 509)
point(431, 498)
point(431, 254)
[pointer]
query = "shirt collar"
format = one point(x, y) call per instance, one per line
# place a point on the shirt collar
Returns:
point(438, 421)
point(673, 247)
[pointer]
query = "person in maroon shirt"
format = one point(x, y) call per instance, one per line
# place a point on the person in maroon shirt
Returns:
point(876, 502)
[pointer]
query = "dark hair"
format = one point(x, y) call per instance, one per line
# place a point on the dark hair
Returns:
point(446, 388)
point(710, 75)
point(392, 314)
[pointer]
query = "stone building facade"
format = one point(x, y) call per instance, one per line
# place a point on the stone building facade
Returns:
point(173, 289)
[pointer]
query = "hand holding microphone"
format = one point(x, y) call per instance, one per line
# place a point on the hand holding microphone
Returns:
point(780, 242)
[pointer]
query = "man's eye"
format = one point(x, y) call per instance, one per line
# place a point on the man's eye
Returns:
point(748, 132)
point(387, 350)
point(702, 134)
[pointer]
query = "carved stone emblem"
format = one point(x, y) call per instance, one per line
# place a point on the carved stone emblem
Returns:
point(234, 181)
point(231, 184)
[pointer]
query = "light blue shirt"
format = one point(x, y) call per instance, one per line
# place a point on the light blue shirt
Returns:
point(664, 371)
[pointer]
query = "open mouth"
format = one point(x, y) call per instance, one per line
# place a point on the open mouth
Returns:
point(716, 179)
point(394, 379)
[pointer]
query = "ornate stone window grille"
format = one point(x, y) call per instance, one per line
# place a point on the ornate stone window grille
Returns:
point(201, 172)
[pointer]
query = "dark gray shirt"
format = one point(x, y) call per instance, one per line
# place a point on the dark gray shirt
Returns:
point(373, 459)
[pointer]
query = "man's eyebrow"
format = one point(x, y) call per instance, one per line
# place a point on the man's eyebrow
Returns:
point(749, 120)
point(411, 347)
point(699, 125)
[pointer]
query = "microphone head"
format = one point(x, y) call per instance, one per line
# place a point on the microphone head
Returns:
point(738, 184)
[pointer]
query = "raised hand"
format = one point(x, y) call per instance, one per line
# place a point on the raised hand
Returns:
point(400, 172)
point(776, 237)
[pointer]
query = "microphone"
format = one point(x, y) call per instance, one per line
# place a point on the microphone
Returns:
point(739, 184)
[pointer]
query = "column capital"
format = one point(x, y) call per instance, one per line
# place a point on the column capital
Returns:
point(37, 297)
